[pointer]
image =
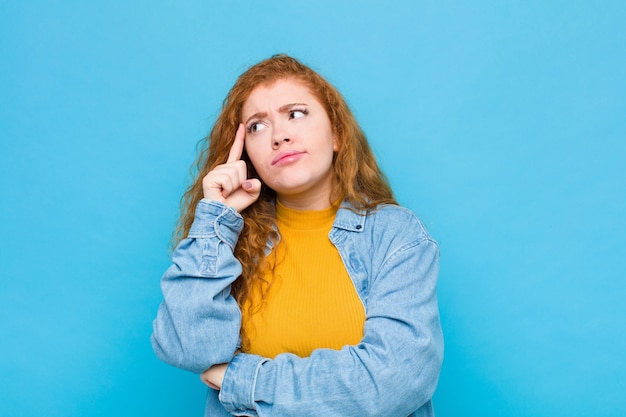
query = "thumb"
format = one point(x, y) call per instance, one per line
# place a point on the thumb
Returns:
point(252, 186)
point(247, 194)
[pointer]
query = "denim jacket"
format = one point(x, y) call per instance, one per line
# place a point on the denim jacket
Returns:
point(393, 371)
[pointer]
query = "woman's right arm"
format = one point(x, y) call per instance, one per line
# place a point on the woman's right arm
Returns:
point(197, 325)
point(198, 322)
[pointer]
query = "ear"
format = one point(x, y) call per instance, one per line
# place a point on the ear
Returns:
point(335, 144)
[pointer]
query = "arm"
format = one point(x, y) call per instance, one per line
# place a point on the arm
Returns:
point(393, 371)
point(197, 324)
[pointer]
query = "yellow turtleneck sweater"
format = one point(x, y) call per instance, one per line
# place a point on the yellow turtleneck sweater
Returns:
point(311, 302)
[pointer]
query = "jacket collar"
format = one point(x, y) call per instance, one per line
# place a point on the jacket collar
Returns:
point(350, 219)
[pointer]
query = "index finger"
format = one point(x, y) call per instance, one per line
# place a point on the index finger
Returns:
point(237, 149)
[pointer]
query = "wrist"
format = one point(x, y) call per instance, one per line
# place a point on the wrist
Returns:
point(214, 376)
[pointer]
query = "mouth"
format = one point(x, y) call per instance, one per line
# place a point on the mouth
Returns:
point(286, 157)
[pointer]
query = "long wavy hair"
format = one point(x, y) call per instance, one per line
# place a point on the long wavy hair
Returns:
point(357, 177)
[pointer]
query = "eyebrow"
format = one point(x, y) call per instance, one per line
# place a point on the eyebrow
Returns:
point(282, 109)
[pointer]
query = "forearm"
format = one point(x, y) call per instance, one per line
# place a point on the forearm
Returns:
point(393, 371)
point(356, 380)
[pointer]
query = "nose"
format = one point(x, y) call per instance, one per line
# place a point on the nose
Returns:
point(280, 134)
point(277, 142)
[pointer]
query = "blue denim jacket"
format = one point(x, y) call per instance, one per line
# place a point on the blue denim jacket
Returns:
point(393, 371)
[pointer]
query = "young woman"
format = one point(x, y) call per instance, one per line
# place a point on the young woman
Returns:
point(298, 286)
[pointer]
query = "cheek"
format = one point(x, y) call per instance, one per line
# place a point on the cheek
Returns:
point(254, 156)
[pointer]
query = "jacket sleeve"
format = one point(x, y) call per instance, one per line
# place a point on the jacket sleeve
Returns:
point(198, 322)
point(393, 371)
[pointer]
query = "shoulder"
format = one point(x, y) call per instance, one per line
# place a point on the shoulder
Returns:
point(386, 222)
point(398, 219)
point(389, 220)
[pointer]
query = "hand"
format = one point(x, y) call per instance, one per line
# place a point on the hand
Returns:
point(214, 376)
point(229, 182)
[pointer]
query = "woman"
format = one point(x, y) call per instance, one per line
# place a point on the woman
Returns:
point(298, 286)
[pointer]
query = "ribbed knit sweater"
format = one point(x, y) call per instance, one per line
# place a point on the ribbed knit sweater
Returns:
point(311, 302)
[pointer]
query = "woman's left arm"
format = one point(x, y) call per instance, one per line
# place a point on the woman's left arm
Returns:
point(392, 371)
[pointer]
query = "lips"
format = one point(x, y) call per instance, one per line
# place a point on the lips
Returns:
point(286, 157)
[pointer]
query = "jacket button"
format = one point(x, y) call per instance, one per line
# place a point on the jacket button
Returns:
point(358, 227)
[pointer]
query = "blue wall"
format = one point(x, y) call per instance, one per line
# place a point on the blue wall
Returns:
point(502, 124)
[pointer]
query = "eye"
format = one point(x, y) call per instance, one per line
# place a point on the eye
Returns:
point(298, 113)
point(255, 127)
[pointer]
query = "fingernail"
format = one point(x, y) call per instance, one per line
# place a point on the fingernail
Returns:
point(246, 185)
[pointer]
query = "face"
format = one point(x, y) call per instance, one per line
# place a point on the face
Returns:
point(290, 142)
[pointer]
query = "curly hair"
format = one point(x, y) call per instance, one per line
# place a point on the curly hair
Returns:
point(357, 178)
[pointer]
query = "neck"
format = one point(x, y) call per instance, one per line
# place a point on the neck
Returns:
point(319, 200)
point(305, 202)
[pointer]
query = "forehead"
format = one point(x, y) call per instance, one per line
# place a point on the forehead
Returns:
point(276, 94)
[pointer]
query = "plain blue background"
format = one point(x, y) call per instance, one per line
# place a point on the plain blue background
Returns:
point(502, 124)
